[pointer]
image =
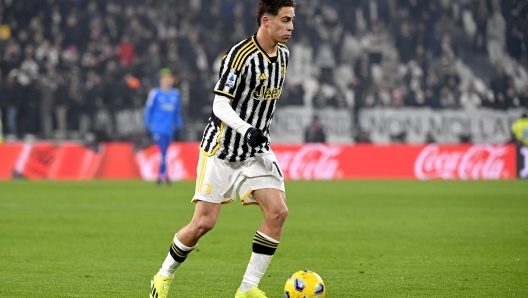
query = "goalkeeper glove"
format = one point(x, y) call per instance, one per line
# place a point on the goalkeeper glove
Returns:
point(255, 137)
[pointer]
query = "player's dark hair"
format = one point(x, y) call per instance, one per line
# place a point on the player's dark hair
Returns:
point(272, 7)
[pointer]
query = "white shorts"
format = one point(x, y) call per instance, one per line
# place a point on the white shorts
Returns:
point(219, 181)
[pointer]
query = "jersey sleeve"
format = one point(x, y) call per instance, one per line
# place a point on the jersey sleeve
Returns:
point(232, 68)
point(229, 76)
point(149, 107)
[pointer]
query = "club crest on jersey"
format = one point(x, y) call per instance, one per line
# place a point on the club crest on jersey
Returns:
point(231, 81)
point(265, 93)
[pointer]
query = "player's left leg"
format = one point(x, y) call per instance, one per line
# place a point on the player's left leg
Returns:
point(184, 242)
point(266, 240)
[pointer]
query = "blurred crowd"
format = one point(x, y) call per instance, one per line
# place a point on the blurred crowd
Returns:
point(68, 66)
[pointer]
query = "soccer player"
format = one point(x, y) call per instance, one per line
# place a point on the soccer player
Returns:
point(162, 116)
point(235, 150)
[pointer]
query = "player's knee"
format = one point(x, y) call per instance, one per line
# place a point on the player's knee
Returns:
point(205, 225)
point(284, 213)
point(279, 215)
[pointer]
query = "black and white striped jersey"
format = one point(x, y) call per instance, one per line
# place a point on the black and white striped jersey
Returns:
point(253, 81)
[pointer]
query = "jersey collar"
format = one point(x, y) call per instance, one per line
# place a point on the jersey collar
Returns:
point(270, 59)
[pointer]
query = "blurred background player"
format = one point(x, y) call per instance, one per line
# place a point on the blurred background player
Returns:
point(162, 117)
point(1, 130)
point(520, 130)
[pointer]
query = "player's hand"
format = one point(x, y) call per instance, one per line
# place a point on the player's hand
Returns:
point(255, 137)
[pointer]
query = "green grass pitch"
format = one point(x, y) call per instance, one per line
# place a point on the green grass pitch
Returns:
point(365, 239)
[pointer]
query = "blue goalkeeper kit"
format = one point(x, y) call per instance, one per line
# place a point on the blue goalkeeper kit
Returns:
point(162, 116)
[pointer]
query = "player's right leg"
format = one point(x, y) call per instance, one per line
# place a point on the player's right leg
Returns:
point(163, 143)
point(204, 219)
point(272, 202)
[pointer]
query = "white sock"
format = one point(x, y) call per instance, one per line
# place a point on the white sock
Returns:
point(258, 264)
point(170, 265)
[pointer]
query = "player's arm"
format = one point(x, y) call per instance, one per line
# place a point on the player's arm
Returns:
point(178, 121)
point(149, 107)
point(223, 110)
point(225, 88)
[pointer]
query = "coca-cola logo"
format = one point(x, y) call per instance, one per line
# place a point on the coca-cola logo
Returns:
point(481, 161)
point(312, 161)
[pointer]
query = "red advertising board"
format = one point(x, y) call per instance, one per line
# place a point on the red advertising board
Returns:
point(298, 162)
point(44, 160)
point(182, 159)
point(74, 162)
point(361, 161)
point(317, 161)
point(117, 162)
point(36, 160)
point(9, 154)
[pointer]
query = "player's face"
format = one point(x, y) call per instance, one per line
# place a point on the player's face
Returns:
point(280, 27)
point(166, 81)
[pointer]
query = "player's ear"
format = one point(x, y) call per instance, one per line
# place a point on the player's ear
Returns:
point(265, 20)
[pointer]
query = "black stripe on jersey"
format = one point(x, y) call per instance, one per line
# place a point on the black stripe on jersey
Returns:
point(241, 89)
point(283, 64)
point(284, 50)
point(250, 104)
point(227, 140)
point(207, 140)
point(280, 82)
point(268, 103)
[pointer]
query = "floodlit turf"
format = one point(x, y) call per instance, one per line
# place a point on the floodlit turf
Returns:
point(365, 238)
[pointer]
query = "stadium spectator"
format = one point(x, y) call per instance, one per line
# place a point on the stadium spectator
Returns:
point(126, 51)
point(447, 98)
point(295, 96)
point(481, 13)
point(47, 86)
point(405, 43)
point(315, 132)
point(470, 99)
point(500, 82)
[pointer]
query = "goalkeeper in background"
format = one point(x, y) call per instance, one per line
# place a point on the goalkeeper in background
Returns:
point(162, 116)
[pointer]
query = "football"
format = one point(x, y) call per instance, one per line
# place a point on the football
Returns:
point(304, 284)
